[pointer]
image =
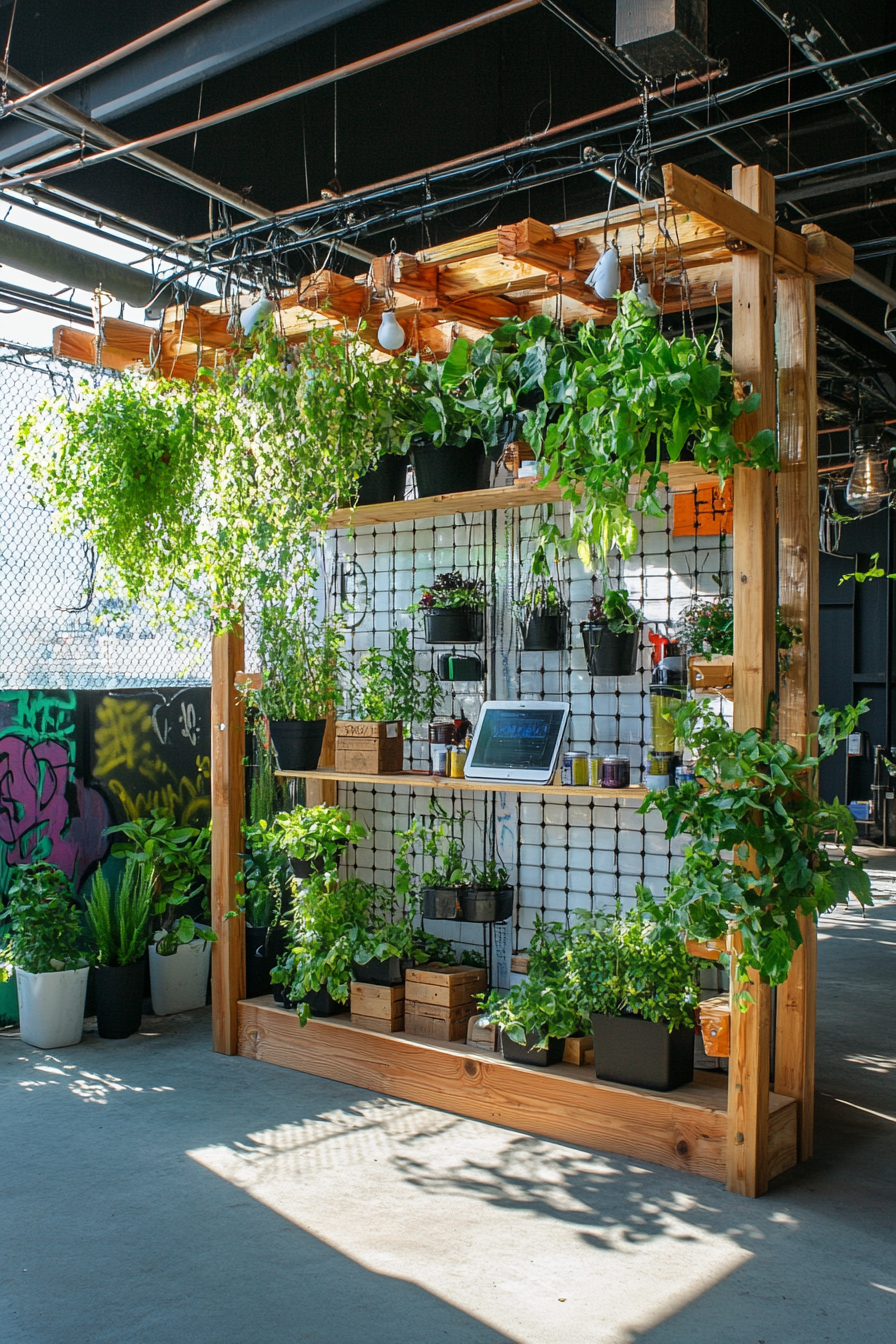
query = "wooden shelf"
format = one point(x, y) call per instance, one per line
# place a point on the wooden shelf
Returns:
point(419, 779)
point(682, 476)
point(685, 1129)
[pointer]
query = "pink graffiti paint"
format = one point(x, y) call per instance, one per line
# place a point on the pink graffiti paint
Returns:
point(40, 816)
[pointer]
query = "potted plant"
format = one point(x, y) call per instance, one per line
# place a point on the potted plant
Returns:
point(178, 859)
point(41, 936)
point(434, 838)
point(706, 628)
point(453, 609)
point(640, 988)
point(542, 615)
point(489, 897)
point(326, 929)
point(445, 453)
point(393, 692)
point(302, 661)
point(119, 928)
point(537, 1015)
point(610, 633)
point(315, 838)
point(392, 943)
point(264, 879)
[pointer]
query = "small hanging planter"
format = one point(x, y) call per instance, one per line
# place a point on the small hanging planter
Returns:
point(546, 634)
point(486, 905)
point(609, 654)
point(452, 469)
point(443, 902)
point(297, 742)
point(453, 609)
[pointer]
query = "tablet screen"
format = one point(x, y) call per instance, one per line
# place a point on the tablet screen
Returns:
point(518, 739)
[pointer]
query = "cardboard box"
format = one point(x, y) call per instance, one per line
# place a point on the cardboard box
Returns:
point(368, 748)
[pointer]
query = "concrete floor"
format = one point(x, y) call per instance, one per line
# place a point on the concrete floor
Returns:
point(154, 1191)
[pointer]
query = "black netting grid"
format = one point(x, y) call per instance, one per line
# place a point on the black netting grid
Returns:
point(55, 632)
point(563, 852)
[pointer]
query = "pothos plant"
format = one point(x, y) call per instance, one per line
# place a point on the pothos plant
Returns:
point(757, 852)
point(317, 835)
point(546, 1003)
point(617, 398)
point(613, 609)
point(39, 927)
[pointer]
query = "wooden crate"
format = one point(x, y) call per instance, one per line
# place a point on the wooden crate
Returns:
point(579, 1050)
point(367, 748)
point(377, 1007)
point(444, 986)
point(439, 1024)
point(487, 1037)
point(519, 963)
point(714, 674)
point(715, 1026)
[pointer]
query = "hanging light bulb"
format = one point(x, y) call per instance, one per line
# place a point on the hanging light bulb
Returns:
point(604, 278)
point(255, 313)
point(867, 485)
point(646, 299)
point(390, 334)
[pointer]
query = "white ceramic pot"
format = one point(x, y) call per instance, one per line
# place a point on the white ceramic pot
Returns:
point(179, 982)
point(51, 1007)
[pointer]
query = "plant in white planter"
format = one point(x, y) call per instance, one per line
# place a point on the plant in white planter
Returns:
point(41, 936)
point(179, 859)
point(119, 927)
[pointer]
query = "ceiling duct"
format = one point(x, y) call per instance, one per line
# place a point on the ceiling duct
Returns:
point(663, 37)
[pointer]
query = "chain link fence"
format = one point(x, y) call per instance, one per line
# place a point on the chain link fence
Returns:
point(55, 632)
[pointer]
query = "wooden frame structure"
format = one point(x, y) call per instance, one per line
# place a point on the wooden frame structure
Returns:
point(697, 245)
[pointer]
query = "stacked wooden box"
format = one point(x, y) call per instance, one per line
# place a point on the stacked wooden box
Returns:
point(440, 1000)
point(378, 1007)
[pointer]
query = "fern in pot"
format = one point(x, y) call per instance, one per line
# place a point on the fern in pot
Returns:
point(40, 934)
point(119, 927)
point(611, 635)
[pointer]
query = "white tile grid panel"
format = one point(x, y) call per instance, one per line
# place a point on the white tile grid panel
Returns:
point(563, 854)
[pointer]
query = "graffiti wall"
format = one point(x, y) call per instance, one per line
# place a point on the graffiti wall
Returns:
point(74, 762)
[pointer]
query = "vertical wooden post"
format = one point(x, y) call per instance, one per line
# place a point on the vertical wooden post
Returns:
point(753, 355)
point(228, 801)
point(798, 598)
point(319, 791)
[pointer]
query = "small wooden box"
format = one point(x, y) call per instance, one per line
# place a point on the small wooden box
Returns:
point(579, 1050)
point(444, 986)
point(367, 748)
point(377, 1007)
point(486, 1037)
point(715, 1026)
point(439, 1024)
point(519, 963)
point(714, 674)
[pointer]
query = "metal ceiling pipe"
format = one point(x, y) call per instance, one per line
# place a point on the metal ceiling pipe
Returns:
point(155, 163)
point(51, 260)
point(119, 54)
point(293, 90)
point(48, 304)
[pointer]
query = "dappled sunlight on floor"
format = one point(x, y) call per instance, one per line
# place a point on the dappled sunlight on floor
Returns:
point(542, 1241)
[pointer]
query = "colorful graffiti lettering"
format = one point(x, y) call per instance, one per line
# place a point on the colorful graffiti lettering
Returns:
point(145, 756)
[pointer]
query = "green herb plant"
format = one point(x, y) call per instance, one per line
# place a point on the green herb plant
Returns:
point(437, 838)
point(393, 687)
point(620, 967)
point(613, 609)
point(301, 655)
point(119, 924)
point(546, 1004)
point(40, 925)
point(758, 851)
point(178, 859)
point(317, 835)
point(492, 876)
point(327, 930)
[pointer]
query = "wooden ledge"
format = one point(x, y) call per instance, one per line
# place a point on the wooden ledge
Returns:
point(420, 779)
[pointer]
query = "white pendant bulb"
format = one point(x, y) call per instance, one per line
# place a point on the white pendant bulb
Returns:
point(646, 299)
point(604, 278)
point(390, 334)
point(255, 313)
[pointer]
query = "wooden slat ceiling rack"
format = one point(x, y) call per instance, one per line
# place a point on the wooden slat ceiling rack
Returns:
point(470, 286)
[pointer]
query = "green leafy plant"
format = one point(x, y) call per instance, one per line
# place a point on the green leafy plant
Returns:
point(327, 930)
point(469, 957)
point(119, 925)
point(437, 838)
point(547, 1001)
point(453, 590)
point(434, 406)
point(434, 948)
point(492, 876)
point(317, 835)
point(302, 658)
point(613, 609)
point(41, 926)
point(615, 400)
point(179, 861)
point(758, 838)
point(393, 687)
point(264, 878)
point(626, 964)
point(707, 626)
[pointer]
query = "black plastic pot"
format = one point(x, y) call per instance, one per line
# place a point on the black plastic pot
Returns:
point(377, 971)
point(442, 902)
point(630, 1050)
point(305, 868)
point(297, 742)
point(610, 655)
point(527, 1054)
point(119, 999)
point(320, 1001)
point(485, 905)
point(454, 625)
point(448, 470)
point(384, 482)
point(545, 633)
point(259, 963)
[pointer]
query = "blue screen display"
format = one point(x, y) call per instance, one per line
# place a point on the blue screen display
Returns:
point(521, 739)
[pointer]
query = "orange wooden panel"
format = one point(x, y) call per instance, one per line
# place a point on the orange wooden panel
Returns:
point(705, 511)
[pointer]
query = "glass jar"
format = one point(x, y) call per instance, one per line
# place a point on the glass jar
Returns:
point(664, 701)
point(616, 773)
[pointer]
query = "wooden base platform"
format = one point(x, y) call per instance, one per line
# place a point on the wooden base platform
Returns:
point(685, 1129)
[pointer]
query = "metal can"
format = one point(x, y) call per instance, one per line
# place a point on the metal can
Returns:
point(685, 775)
point(438, 755)
point(574, 770)
point(616, 773)
point(457, 759)
point(595, 771)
